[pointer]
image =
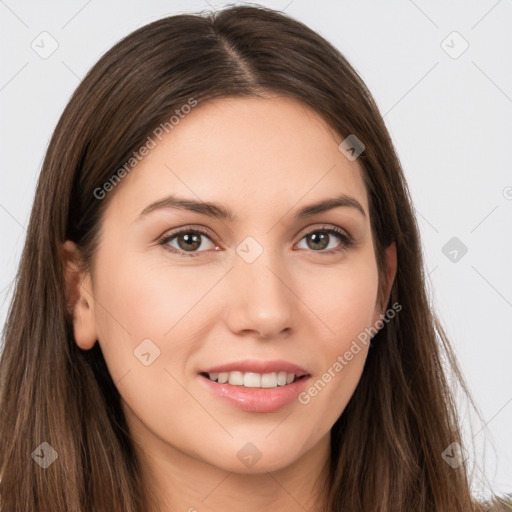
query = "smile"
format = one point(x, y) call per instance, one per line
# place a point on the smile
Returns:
point(256, 386)
point(253, 380)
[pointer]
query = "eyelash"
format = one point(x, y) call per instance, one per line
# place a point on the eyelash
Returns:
point(347, 241)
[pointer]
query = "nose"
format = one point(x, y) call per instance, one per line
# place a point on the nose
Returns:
point(261, 299)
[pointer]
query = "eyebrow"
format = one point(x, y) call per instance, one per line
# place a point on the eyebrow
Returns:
point(218, 211)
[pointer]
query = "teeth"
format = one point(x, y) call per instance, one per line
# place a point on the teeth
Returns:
point(253, 380)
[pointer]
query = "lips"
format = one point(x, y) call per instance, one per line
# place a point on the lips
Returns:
point(259, 396)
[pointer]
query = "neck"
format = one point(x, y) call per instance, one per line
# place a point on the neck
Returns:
point(180, 482)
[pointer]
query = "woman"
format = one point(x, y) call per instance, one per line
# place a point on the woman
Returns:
point(220, 304)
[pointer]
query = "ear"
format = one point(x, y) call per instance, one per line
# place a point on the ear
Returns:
point(79, 297)
point(389, 277)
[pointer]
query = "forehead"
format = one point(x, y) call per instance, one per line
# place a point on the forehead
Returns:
point(259, 154)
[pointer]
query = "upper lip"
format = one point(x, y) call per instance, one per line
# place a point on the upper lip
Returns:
point(258, 366)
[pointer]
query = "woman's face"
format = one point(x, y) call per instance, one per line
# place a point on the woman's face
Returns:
point(267, 291)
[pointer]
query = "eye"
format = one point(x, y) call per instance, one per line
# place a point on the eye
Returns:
point(321, 238)
point(188, 241)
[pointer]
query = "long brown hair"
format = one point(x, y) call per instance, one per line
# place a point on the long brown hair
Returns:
point(386, 448)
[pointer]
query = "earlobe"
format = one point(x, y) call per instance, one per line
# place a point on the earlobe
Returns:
point(79, 298)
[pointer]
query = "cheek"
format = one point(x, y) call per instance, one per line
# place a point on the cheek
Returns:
point(346, 308)
point(154, 309)
point(142, 298)
point(140, 311)
point(343, 298)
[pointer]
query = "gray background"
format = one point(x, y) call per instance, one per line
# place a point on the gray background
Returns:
point(449, 114)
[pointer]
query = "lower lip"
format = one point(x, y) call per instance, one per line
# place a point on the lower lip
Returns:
point(257, 399)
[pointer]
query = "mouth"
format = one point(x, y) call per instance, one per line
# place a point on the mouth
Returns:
point(253, 379)
point(256, 386)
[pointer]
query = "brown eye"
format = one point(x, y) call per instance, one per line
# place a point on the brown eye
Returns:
point(323, 240)
point(318, 239)
point(188, 241)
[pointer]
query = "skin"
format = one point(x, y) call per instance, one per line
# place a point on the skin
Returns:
point(264, 159)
